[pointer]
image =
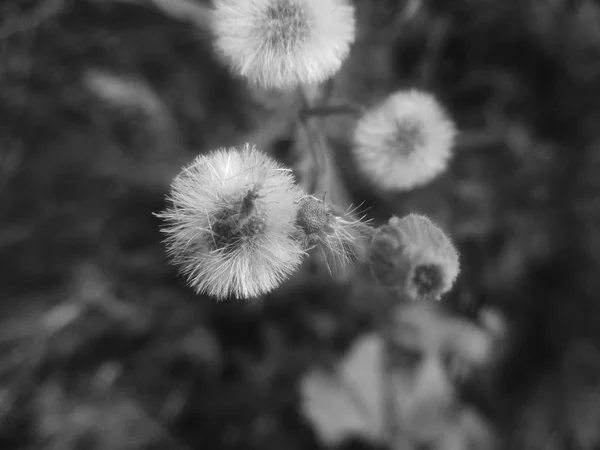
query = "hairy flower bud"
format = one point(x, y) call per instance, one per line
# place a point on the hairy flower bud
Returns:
point(415, 257)
point(336, 236)
point(313, 215)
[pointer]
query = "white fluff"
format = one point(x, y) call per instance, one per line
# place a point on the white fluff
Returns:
point(208, 192)
point(280, 44)
point(404, 142)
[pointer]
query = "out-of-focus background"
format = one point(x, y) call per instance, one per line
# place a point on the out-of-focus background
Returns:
point(103, 101)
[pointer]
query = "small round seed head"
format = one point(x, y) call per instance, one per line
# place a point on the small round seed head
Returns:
point(415, 257)
point(404, 142)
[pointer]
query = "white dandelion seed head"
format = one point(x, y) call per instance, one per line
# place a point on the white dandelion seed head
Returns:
point(337, 236)
point(414, 255)
point(231, 225)
point(404, 142)
point(280, 44)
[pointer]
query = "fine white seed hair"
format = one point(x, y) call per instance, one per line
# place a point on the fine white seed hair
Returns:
point(280, 44)
point(208, 192)
point(404, 142)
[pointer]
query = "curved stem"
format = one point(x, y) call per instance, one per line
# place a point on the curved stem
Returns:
point(315, 146)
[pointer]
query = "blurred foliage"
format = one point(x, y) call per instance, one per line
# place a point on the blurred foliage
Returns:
point(102, 102)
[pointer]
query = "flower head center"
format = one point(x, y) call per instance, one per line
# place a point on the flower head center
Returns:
point(408, 137)
point(241, 222)
point(313, 215)
point(427, 279)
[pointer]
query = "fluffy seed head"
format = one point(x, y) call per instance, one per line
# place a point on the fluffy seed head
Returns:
point(414, 256)
point(231, 224)
point(280, 44)
point(404, 142)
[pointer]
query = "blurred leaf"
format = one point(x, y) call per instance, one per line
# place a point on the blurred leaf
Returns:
point(346, 404)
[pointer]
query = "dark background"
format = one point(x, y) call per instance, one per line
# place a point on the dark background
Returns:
point(103, 347)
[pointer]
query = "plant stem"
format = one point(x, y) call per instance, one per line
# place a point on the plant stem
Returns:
point(315, 147)
point(330, 110)
point(390, 415)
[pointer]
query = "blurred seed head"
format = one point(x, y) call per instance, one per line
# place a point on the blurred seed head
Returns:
point(404, 142)
point(415, 257)
point(280, 44)
point(231, 226)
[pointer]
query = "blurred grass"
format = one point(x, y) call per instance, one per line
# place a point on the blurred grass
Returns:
point(102, 102)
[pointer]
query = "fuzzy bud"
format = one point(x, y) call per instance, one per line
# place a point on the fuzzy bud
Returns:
point(313, 215)
point(336, 236)
point(415, 257)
